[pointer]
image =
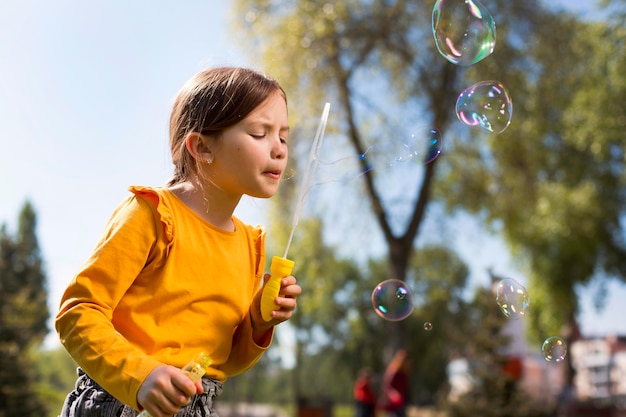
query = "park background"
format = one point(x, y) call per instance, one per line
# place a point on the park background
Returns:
point(86, 94)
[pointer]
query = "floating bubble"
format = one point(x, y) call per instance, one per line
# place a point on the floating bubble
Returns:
point(428, 326)
point(392, 300)
point(433, 140)
point(512, 298)
point(422, 146)
point(554, 349)
point(464, 31)
point(486, 104)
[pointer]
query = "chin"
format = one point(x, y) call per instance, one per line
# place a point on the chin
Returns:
point(263, 194)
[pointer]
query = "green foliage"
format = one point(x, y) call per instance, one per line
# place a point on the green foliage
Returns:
point(493, 393)
point(438, 278)
point(56, 377)
point(552, 185)
point(23, 316)
point(266, 382)
point(554, 182)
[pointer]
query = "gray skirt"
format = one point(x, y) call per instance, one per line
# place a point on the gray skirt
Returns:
point(88, 399)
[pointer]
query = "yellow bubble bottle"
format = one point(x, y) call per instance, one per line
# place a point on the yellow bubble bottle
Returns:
point(279, 268)
point(195, 370)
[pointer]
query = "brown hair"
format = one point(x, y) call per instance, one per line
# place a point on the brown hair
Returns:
point(210, 102)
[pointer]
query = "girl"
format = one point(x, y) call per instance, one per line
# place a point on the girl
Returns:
point(175, 273)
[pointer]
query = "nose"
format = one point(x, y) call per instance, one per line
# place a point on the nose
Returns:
point(279, 149)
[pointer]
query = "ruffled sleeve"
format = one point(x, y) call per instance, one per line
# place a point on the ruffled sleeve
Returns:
point(163, 212)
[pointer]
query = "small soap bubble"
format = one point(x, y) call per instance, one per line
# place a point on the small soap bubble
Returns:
point(464, 31)
point(392, 300)
point(554, 349)
point(428, 326)
point(486, 104)
point(433, 142)
point(512, 298)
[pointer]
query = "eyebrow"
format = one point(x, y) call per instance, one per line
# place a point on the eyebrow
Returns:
point(268, 125)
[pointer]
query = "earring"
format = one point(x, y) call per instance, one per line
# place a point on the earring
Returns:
point(209, 160)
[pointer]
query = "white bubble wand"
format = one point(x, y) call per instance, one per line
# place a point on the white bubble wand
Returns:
point(282, 267)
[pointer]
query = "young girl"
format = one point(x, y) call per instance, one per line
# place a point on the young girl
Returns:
point(175, 273)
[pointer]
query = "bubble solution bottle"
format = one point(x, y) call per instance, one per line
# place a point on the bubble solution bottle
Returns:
point(279, 268)
point(194, 370)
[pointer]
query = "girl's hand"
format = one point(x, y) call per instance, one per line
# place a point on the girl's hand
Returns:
point(166, 390)
point(286, 300)
point(285, 305)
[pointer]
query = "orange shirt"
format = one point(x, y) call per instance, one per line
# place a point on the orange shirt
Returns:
point(161, 286)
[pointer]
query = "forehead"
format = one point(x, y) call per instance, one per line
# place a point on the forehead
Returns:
point(272, 110)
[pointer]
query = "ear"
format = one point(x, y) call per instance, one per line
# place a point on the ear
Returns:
point(198, 147)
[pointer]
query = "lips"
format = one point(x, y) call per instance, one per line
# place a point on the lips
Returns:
point(273, 174)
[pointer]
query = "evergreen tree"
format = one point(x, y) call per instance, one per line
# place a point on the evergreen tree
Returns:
point(23, 316)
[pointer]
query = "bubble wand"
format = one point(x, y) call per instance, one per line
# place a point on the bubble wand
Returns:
point(282, 267)
point(195, 370)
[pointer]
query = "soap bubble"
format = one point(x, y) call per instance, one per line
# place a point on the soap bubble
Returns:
point(464, 31)
point(434, 145)
point(486, 104)
point(392, 300)
point(421, 146)
point(512, 298)
point(428, 326)
point(554, 349)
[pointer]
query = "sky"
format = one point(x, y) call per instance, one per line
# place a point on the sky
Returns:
point(85, 95)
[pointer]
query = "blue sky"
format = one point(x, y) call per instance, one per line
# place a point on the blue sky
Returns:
point(85, 94)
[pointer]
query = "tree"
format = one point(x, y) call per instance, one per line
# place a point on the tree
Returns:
point(23, 316)
point(552, 184)
point(377, 64)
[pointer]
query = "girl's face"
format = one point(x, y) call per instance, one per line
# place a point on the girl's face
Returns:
point(251, 156)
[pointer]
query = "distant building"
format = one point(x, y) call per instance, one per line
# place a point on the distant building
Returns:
point(600, 366)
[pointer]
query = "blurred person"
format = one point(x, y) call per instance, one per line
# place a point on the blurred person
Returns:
point(364, 394)
point(395, 389)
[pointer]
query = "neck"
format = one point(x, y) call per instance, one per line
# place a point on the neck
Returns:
point(214, 207)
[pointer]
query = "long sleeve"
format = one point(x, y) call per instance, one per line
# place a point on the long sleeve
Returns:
point(85, 320)
point(245, 352)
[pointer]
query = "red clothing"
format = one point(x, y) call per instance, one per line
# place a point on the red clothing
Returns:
point(395, 390)
point(363, 391)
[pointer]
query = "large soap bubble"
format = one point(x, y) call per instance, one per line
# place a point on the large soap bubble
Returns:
point(554, 349)
point(392, 300)
point(512, 298)
point(486, 104)
point(464, 31)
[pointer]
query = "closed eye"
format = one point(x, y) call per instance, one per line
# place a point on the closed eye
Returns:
point(282, 140)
